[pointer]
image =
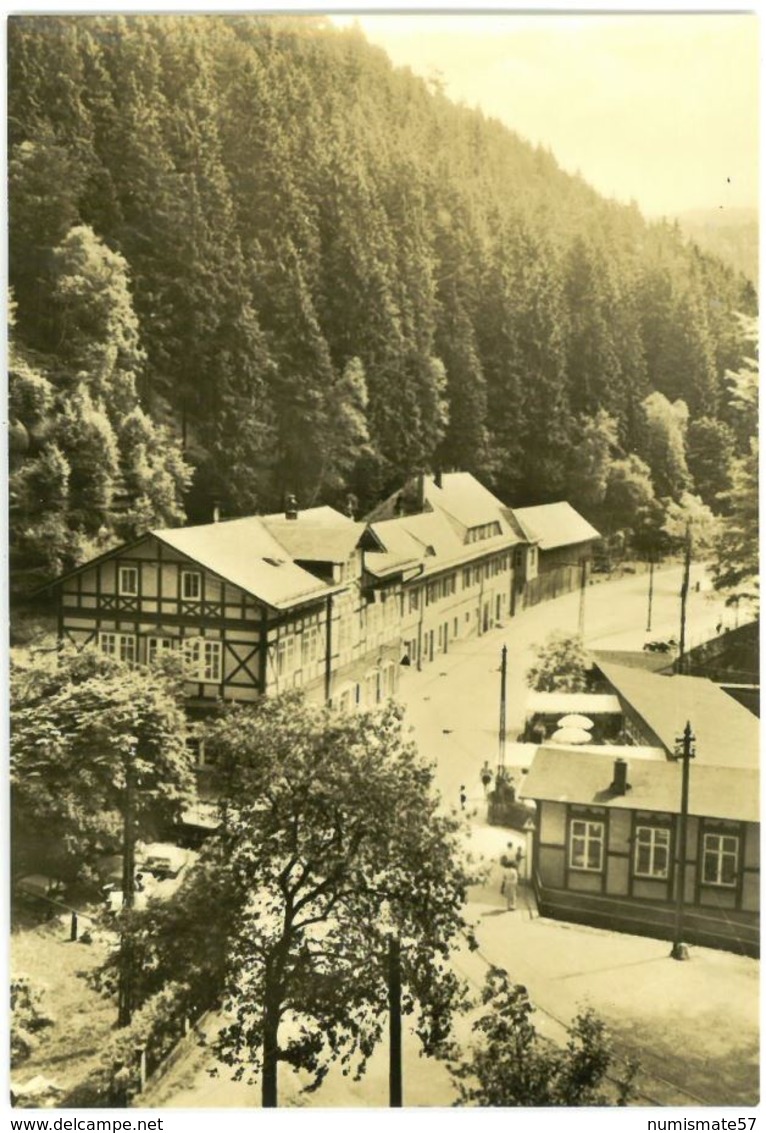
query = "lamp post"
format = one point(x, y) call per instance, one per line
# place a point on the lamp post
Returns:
point(684, 596)
point(685, 752)
point(651, 592)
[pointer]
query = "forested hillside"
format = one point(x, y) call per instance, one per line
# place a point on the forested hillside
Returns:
point(730, 234)
point(249, 257)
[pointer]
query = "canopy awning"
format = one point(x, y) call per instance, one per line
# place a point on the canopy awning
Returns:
point(564, 703)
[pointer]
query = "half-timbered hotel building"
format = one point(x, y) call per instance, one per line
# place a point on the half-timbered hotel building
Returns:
point(309, 599)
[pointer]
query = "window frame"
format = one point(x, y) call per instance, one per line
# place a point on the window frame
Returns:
point(720, 854)
point(652, 874)
point(168, 645)
point(196, 651)
point(122, 590)
point(588, 838)
point(121, 640)
point(187, 575)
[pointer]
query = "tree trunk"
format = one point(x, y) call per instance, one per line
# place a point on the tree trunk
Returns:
point(270, 1057)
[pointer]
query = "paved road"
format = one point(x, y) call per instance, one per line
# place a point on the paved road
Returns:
point(452, 707)
point(453, 704)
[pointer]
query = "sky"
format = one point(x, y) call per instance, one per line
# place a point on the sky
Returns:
point(656, 107)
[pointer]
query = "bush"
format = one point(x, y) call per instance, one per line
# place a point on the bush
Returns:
point(28, 1018)
point(514, 1066)
point(562, 665)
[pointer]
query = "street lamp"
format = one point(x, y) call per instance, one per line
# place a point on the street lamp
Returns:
point(684, 597)
point(685, 752)
point(651, 592)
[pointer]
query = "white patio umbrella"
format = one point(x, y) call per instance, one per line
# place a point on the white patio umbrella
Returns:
point(571, 736)
point(574, 720)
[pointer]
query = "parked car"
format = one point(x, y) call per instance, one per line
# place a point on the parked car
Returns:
point(661, 646)
point(163, 860)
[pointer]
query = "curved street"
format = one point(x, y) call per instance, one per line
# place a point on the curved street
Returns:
point(453, 705)
point(453, 708)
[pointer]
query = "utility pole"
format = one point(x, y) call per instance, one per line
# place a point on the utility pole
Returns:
point(394, 1022)
point(503, 696)
point(583, 583)
point(680, 950)
point(651, 592)
point(684, 596)
point(125, 996)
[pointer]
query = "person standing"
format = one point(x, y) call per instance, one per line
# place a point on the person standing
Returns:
point(486, 776)
point(510, 885)
point(463, 798)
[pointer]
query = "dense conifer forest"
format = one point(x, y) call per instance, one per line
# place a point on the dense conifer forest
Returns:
point(249, 257)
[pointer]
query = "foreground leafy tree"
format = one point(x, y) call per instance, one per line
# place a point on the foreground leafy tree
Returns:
point(332, 829)
point(561, 665)
point(76, 727)
point(514, 1066)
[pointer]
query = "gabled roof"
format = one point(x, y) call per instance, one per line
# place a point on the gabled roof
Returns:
point(567, 775)
point(460, 497)
point(402, 551)
point(430, 539)
point(319, 534)
point(464, 499)
point(726, 734)
point(556, 525)
point(244, 553)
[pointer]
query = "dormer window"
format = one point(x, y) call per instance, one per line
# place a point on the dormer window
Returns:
point(127, 582)
point(191, 585)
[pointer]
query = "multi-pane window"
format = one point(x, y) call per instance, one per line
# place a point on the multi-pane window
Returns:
point(309, 645)
point(651, 852)
point(286, 655)
point(720, 857)
point(203, 659)
point(119, 645)
point(586, 845)
point(127, 582)
point(157, 646)
point(191, 585)
point(414, 600)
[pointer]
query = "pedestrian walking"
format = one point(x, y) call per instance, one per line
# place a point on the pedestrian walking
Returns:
point(510, 885)
point(486, 776)
point(463, 798)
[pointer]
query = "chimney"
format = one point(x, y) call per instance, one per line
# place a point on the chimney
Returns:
point(399, 505)
point(620, 784)
point(291, 507)
point(351, 502)
point(216, 511)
